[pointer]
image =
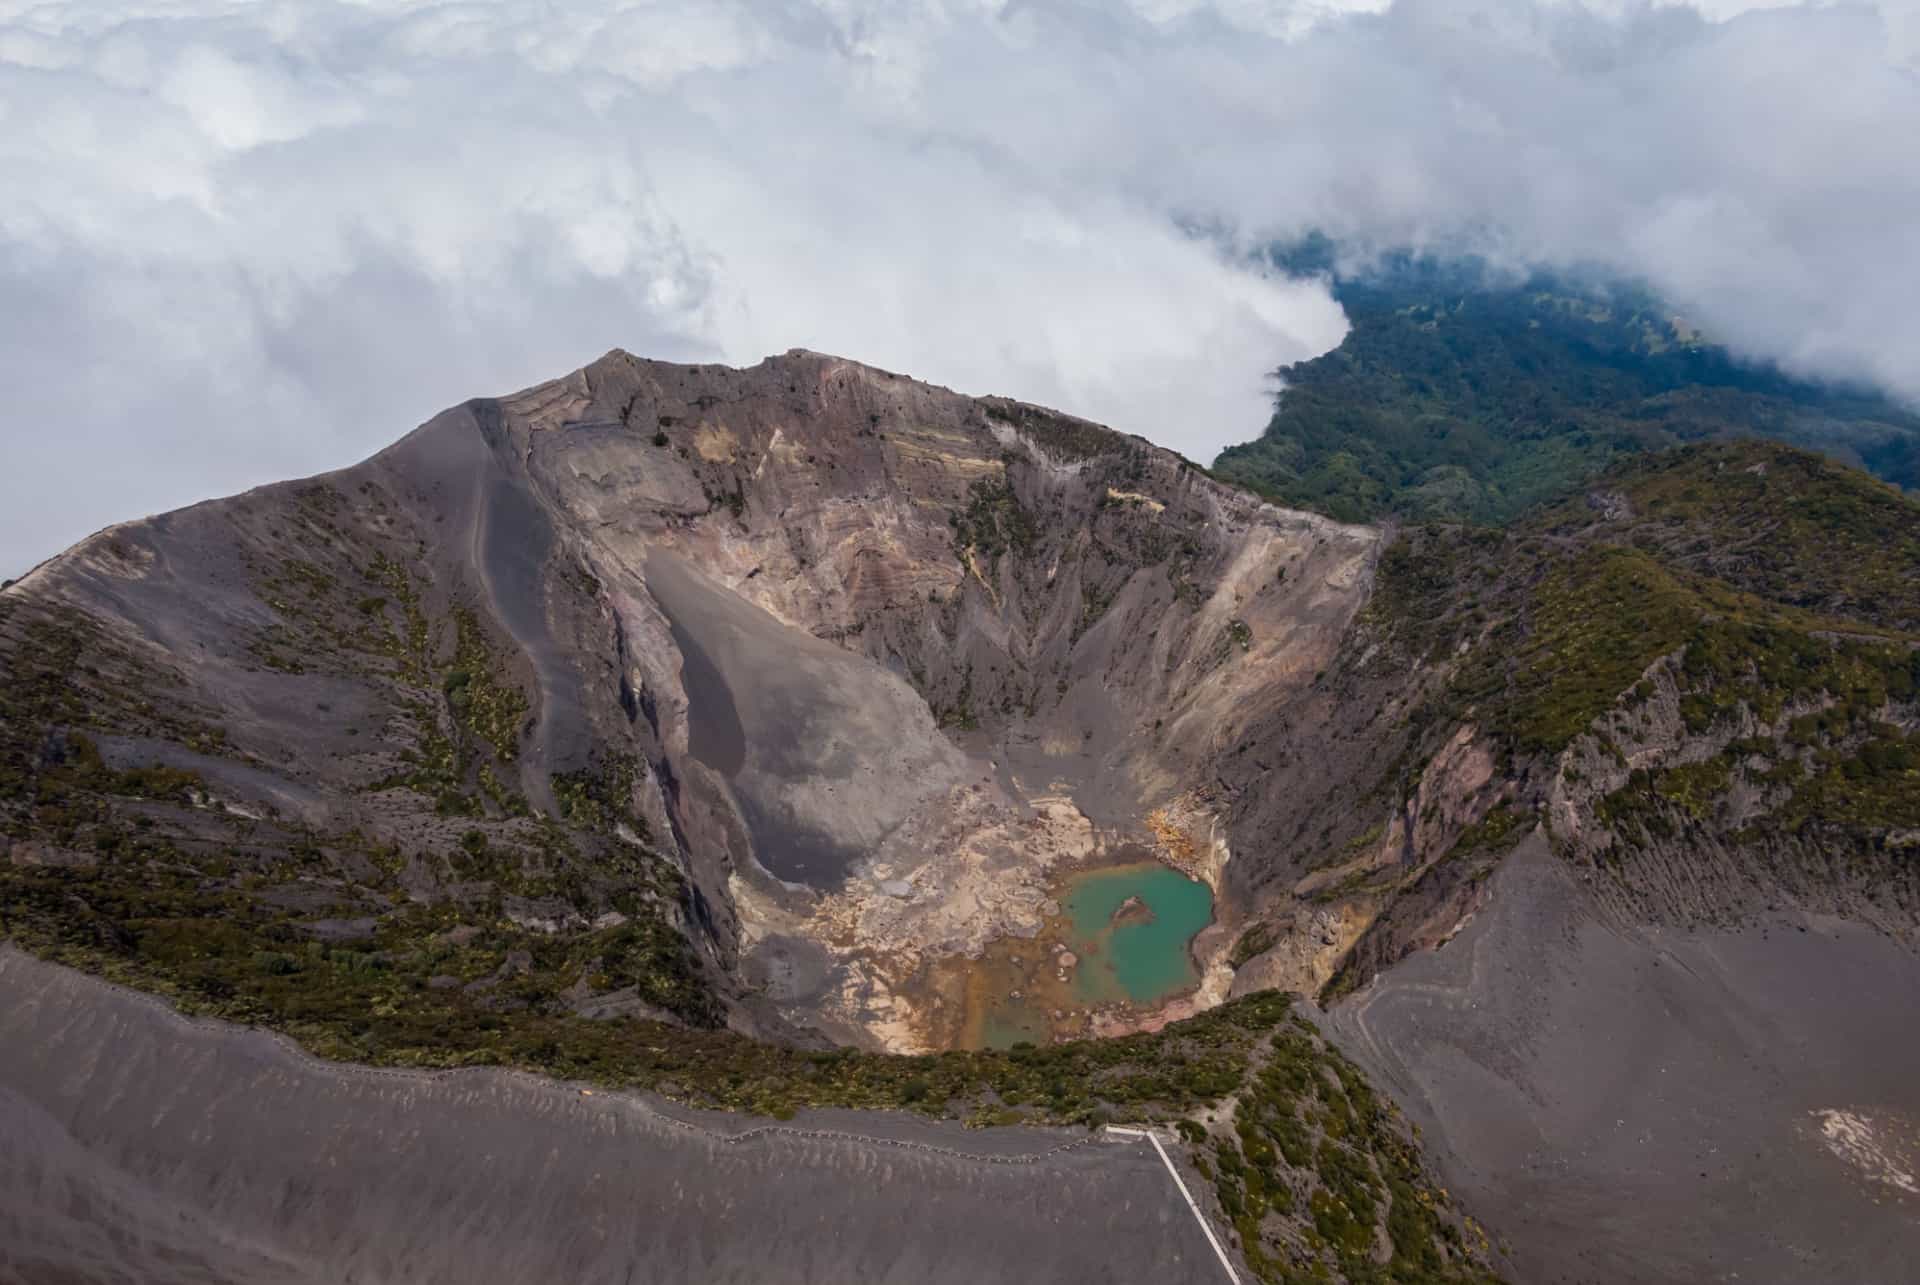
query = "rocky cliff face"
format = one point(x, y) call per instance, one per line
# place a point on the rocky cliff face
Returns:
point(778, 696)
point(825, 671)
point(786, 699)
point(1698, 682)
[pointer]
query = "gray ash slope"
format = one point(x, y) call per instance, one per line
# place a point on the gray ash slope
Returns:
point(766, 698)
point(1660, 1104)
point(325, 1173)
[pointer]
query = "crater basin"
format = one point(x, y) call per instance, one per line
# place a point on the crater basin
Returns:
point(1123, 937)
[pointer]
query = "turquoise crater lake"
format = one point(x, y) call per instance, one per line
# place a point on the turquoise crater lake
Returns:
point(1137, 957)
point(1123, 936)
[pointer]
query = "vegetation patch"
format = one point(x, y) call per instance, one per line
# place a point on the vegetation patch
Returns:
point(1457, 396)
point(601, 797)
point(424, 990)
point(1321, 1180)
point(1499, 830)
point(1869, 784)
point(994, 523)
point(1779, 523)
point(484, 702)
point(1063, 437)
point(1256, 940)
point(1589, 628)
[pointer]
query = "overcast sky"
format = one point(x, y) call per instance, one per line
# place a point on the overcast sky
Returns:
point(249, 240)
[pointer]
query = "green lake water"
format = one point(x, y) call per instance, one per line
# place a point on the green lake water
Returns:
point(1142, 959)
point(1137, 961)
point(1012, 1023)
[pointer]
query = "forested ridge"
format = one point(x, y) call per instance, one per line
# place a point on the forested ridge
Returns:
point(1462, 395)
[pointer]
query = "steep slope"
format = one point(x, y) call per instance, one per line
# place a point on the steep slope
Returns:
point(658, 699)
point(1667, 1038)
point(776, 694)
point(1696, 680)
point(668, 725)
point(1659, 1103)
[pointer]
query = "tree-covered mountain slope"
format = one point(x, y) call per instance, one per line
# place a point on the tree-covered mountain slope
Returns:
point(1459, 395)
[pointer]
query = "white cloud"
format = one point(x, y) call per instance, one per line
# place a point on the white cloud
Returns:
point(243, 240)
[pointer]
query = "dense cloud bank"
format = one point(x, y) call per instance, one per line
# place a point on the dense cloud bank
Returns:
point(246, 240)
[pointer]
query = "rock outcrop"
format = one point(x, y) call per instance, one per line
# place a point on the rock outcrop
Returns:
point(775, 696)
point(847, 667)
